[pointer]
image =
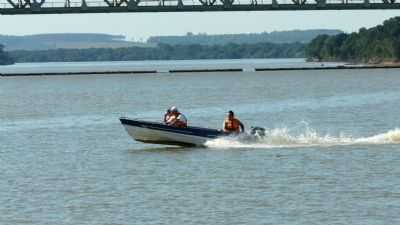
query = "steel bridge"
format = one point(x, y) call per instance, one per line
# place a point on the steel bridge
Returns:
point(15, 7)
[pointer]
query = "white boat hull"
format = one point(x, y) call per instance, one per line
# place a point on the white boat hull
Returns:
point(157, 133)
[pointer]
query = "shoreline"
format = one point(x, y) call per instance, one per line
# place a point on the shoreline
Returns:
point(340, 67)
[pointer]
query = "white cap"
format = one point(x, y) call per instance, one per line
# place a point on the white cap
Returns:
point(174, 109)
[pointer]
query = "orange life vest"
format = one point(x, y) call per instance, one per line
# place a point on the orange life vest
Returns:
point(232, 125)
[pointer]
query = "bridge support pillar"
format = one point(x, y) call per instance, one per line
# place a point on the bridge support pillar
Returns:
point(84, 4)
point(227, 3)
point(36, 6)
point(321, 3)
point(275, 4)
point(180, 3)
point(132, 4)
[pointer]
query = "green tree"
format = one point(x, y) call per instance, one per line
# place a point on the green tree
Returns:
point(376, 44)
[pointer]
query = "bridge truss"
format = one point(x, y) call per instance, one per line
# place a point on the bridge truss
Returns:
point(14, 7)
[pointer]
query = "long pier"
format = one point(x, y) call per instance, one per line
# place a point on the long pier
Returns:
point(21, 7)
point(172, 71)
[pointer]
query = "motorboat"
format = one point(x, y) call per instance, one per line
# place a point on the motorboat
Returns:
point(159, 133)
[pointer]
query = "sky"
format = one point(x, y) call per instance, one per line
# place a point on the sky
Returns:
point(139, 26)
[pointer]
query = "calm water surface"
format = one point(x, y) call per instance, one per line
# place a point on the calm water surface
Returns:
point(331, 155)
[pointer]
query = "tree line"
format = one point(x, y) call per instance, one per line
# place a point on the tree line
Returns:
point(302, 36)
point(375, 45)
point(164, 52)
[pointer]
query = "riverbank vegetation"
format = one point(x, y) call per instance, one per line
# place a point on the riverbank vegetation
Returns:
point(164, 52)
point(5, 59)
point(379, 44)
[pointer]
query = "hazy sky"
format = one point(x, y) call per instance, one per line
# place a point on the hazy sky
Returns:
point(142, 25)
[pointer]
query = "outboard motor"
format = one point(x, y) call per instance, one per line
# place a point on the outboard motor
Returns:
point(257, 131)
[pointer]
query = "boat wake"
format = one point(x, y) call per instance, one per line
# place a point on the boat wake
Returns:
point(283, 138)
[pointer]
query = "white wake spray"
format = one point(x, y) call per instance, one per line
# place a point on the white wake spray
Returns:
point(282, 138)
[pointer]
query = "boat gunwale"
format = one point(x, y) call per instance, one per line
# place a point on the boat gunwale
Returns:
point(190, 130)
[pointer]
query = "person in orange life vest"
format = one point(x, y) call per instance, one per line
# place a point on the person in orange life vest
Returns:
point(232, 125)
point(176, 119)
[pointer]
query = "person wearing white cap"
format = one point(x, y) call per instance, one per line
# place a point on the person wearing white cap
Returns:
point(176, 119)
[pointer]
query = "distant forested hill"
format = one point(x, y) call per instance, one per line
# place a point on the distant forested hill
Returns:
point(104, 47)
point(4, 57)
point(302, 36)
point(164, 52)
point(90, 40)
point(73, 40)
point(374, 45)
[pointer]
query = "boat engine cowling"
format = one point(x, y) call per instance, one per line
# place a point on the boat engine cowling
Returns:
point(257, 131)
